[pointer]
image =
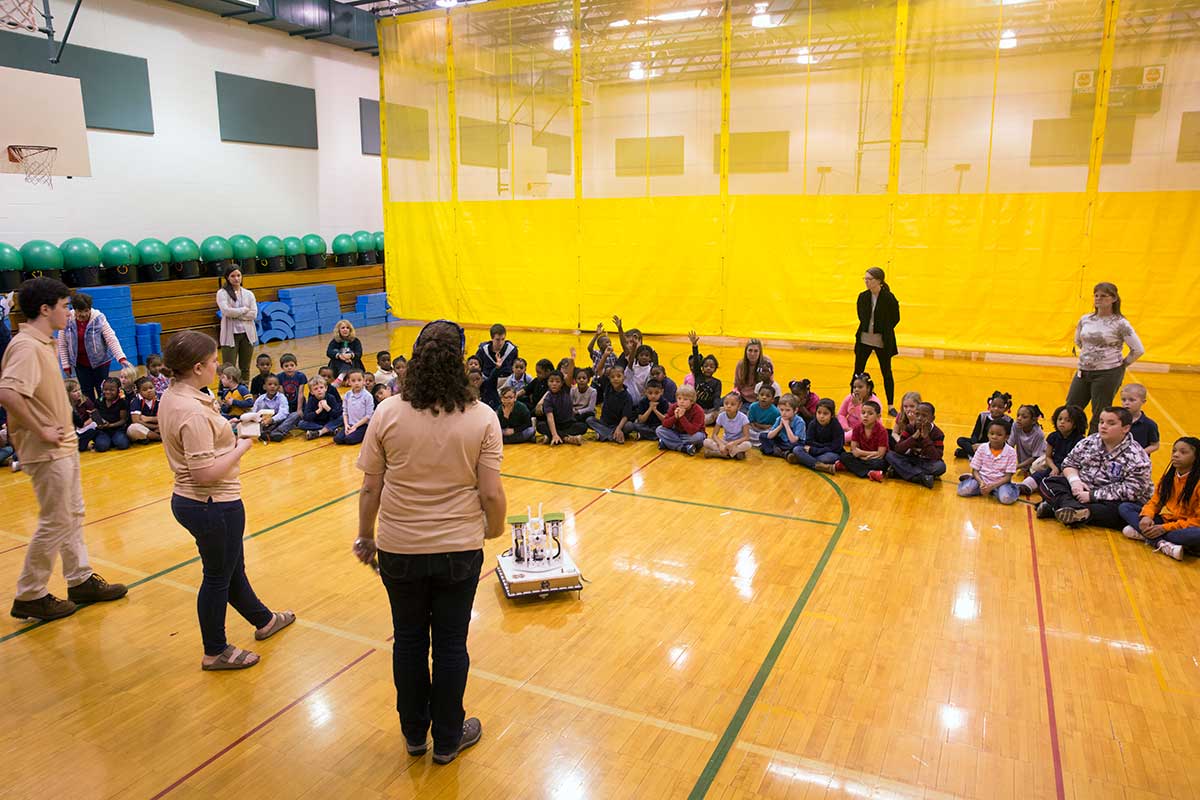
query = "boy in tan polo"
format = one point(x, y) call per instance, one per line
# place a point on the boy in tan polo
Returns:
point(39, 423)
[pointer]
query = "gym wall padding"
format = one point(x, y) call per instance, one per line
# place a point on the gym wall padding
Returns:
point(115, 87)
point(368, 126)
point(889, 134)
point(266, 112)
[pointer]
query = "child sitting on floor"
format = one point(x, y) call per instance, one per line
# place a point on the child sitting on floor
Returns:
point(537, 387)
point(1170, 522)
point(400, 365)
point(868, 445)
point(8, 455)
point(1027, 437)
point(380, 392)
point(614, 420)
point(917, 457)
point(283, 419)
point(708, 388)
point(1144, 430)
point(762, 415)
point(516, 425)
point(670, 389)
point(82, 412)
point(322, 410)
point(767, 373)
point(519, 380)
point(824, 440)
point(156, 372)
point(129, 376)
point(383, 368)
point(475, 378)
point(111, 417)
point(788, 432)
point(907, 416)
point(559, 425)
point(327, 374)
point(234, 396)
point(731, 431)
point(862, 389)
point(992, 467)
point(258, 383)
point(143, 412)
point(998, 405)
point(637, 370)
point(802, 389)
point(583, 396)
point(357, 408)
point(683, 428)
point(1070, 426)
point(292, 381)
point(650, 411)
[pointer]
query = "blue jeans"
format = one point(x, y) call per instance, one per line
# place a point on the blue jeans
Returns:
point(217, 529)
point(341, 437)
point(605, 432)
point(674, 440)
point(114, 437)
point(284, 426)
point(1006, 493)
point(520, 437)
point(809, 460)
point(331, 425)
point(1131, 513)
point(431, 597)
point(6, 453)
point(779, 446)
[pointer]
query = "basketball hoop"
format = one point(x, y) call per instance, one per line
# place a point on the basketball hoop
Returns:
point(18, 14)
point(37, 160)
point(537, 188)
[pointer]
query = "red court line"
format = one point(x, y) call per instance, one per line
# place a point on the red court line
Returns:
point(244, 472)
point(1037, 590)
point(17, 547)
point(259, 726)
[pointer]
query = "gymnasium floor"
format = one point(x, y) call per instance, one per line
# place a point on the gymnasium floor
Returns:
point(750, 629)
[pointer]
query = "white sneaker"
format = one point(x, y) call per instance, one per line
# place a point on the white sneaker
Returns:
point(1175, 551)
point(1133, 533)
point(16, 465)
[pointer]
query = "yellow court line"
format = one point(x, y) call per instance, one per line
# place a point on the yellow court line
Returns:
point(1159, 672)
point(860, 784)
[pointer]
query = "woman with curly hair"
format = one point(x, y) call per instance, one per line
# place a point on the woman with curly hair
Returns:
point(431, 485)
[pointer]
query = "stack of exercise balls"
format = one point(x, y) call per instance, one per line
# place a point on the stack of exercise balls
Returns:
point(216, 255)
point(81, 262)
point(120, 258)
point(245, 253)
point(11, 265)
point(154, 259)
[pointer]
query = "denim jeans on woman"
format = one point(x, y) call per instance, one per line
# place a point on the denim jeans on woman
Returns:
point(431, 597)
point(1131, 515)
point(217, 529)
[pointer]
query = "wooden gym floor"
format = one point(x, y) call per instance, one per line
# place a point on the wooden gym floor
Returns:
point(750, 629)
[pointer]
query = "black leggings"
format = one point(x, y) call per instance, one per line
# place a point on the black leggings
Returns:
point(862, 352)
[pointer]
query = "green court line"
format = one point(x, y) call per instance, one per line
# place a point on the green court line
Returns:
point(677, 501)
point(194, 559)
point(725, 744)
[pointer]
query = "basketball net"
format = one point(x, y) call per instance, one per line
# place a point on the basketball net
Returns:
point(18, 14)
point(37, 160)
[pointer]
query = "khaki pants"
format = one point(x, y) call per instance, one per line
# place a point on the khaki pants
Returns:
point(60, 527)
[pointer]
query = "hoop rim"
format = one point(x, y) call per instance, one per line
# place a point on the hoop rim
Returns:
point(19, 152)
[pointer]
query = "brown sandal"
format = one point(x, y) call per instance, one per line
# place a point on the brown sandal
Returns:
point(231, 658)
point(279, 621)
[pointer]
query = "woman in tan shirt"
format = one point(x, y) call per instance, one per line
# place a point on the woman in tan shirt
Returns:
point(203, 453)
point(431, 459)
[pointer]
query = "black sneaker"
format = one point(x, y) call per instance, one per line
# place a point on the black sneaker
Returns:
point(276, 437)
point(690, 449)
point(1044, 511)
point(928, 481)
point(44, 608)
point(96, 590)
point(472, 730)
point(417, 749)
point(311, 434)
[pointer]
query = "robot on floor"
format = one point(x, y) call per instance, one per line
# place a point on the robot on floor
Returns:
point(537, 565)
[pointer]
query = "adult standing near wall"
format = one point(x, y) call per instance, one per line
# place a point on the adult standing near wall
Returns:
point(239, 310)
point(1100, 341)
point(86, 344)
point(878, 316)
point(203, 453)
point(40, 427)
point(431, 460)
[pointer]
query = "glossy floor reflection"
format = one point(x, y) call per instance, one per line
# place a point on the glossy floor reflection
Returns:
point(749, 629)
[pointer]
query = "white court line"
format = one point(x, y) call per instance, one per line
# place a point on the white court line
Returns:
point(787, 765)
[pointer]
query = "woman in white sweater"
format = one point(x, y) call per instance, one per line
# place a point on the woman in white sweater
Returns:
point(238, 312)
point(1100, 341)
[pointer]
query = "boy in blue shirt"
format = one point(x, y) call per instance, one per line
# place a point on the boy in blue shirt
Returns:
point(650, 411)
point(789, 431)
point(762, 415)
point(291, 382)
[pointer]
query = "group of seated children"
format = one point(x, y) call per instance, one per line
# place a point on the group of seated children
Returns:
point(126, 412)
point(279, 404)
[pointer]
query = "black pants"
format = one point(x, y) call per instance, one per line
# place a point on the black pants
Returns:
point(568, 428)
point(90, 379)
point(217, 529)
point(431, 595)
point(1099, 387)
point(1056, 490)
point(966, 447)
point(862, 353)
point(861, 466)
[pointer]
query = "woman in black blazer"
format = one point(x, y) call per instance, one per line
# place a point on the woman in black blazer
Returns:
point(878, 316)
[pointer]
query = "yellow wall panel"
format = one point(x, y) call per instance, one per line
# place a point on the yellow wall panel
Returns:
point(420, 266)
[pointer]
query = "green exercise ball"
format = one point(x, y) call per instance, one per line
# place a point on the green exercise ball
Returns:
point(292, 246)
point(40, 255)
point(378, 241)
point(119, 253)
point(314, 245)
point(270, 247)
point(216, 248)
point(243, 246)
point(183, 249)
point(363, 240)
point(153, 251)
point(345, 251)
point(79, 253)
point(10, 258)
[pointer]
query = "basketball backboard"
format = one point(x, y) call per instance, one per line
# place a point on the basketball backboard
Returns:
point(37, 108)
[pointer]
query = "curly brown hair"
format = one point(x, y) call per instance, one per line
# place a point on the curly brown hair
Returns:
point(436, 379)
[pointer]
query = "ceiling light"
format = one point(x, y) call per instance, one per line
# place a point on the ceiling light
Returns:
point(803, 57)
point(636, 73)
point(562, 41)
point(676, 16)
point(621, 23)
point(761, 18)
point(445, 3)
point(1008, 40)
